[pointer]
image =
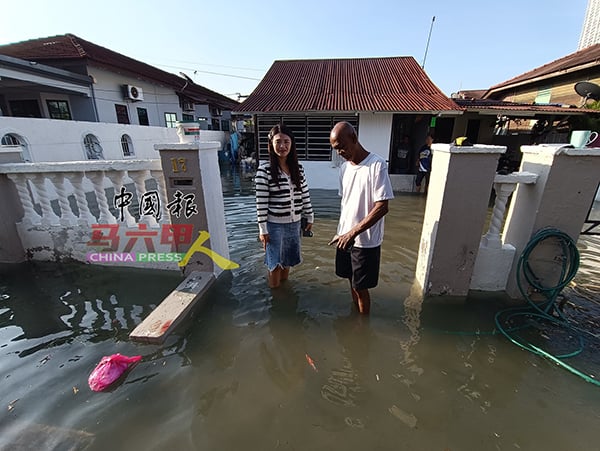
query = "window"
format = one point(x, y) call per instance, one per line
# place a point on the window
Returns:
point(122, 114)
point(93, 149)
point(127, 146)
point(170, 119)
point(24, 108)
point(59, 109)
point(225, 126)
point(543, 96)
point(187, 117)
point(10, 140)
point(216, 124)
point(311, 133)
point(143, 116)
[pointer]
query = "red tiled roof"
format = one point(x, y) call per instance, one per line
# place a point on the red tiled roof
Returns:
point(589, 56)
point(500, 105)
point(358, 84)
point(69, 47)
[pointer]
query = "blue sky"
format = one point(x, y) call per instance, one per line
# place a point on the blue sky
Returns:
point(474, 43)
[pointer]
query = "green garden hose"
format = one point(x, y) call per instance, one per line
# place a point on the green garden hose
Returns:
point(545, 310)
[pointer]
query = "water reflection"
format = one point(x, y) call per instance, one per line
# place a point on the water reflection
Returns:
point(238, 374)
point(283, 353)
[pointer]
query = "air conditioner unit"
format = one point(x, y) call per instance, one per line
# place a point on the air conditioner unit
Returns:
point(134, 93)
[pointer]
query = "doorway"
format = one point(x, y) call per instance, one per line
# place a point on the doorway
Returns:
point(401, 149)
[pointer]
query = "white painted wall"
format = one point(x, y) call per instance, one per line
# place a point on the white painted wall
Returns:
point(374, 134)
point(56, 140)
point(375, 131)
point(158, 100)
point(321, 174)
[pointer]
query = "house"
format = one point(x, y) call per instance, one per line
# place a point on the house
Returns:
point(384, 98)
point(124, 90)
point(64, 98)
point(539, 106)
point(552, 83)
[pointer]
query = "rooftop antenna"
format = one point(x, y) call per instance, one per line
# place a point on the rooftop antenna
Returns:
point(428, 39)
point(587, 90)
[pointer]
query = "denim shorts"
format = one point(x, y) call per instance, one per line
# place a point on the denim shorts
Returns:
point(283, 248)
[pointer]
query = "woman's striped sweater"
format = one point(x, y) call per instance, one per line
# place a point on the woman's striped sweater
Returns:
point(280, 201)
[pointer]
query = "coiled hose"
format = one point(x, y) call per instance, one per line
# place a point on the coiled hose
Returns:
point(545, 310)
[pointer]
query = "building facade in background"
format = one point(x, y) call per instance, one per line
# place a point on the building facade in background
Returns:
point(590, 33)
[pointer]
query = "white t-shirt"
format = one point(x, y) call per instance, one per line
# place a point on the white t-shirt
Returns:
point(361, 185)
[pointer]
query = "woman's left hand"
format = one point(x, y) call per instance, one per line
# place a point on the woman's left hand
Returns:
point(264, 239)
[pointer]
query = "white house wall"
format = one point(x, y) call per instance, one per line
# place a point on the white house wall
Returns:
point(108, 91)
point(81, 107)
point(55, 140)
point(374, 133)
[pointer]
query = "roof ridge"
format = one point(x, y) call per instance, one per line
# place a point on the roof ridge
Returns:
point(74, 40)
point(523, 76)
point(370, 58)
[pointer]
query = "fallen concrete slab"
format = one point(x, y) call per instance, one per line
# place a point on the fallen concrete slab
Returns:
point(173, 309)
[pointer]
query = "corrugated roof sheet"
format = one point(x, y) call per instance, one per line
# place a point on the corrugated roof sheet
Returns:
point(358, 84)
point(500, 105)
point(587, 56)
point(69, 47)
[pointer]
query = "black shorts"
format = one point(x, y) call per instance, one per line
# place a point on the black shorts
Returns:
point(420, 176)
point(360, 265)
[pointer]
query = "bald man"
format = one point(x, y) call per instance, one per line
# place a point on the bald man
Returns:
point(365, 189)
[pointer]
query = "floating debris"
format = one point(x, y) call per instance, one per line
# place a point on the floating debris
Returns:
point(311, 362)
point(110, 369)
point(407, 418)
point(354, 422)
point(11, 405)
point(44, 360)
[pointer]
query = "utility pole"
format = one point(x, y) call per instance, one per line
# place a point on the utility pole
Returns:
point(428, 39)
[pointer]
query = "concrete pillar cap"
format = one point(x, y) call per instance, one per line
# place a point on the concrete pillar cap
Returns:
point(476, 149)
point(562, 149)
point(205, 145)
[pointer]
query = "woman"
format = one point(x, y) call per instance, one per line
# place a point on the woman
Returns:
point(282, 200)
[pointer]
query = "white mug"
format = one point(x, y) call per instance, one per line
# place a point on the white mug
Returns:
point(582, 138)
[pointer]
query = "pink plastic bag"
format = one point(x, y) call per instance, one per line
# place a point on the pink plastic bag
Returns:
point(110, 369)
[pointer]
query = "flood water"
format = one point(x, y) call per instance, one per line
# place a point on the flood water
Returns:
point(236, 376)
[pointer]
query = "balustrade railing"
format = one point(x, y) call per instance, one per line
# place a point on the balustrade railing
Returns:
point(40, 184)
point(504, 186)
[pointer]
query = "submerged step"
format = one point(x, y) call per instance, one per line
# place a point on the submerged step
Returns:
point(173, 309)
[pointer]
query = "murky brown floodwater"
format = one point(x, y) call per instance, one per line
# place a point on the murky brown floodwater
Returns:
point(237, 377)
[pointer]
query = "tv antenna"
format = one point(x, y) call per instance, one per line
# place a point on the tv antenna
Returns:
point(587, 90)
point(428, 39)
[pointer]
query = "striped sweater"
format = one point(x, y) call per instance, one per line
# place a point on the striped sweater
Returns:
point(280, 201)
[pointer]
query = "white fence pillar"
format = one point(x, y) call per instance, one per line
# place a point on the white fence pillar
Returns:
point(561, 198)
point(457, 199)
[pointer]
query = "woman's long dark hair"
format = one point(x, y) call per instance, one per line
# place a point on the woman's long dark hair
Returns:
point(292, 158)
